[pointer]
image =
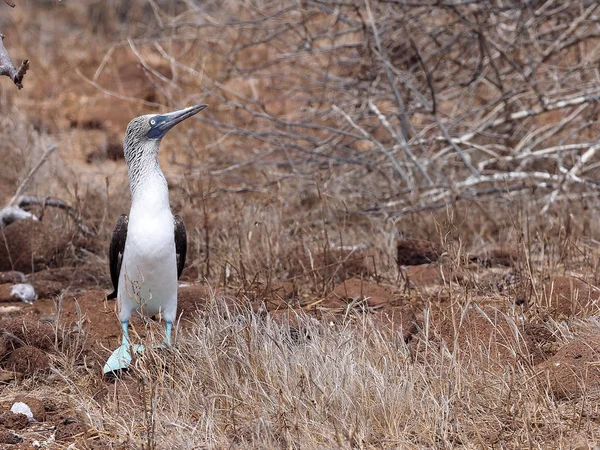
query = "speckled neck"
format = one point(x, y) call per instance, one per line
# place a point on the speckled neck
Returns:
point(146, 180)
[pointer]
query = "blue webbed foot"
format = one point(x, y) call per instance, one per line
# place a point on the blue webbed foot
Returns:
point(120, 359)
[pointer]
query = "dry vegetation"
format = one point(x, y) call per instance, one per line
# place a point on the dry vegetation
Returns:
point(391, 210)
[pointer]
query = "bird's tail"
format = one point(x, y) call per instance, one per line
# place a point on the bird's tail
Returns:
point(112, 296)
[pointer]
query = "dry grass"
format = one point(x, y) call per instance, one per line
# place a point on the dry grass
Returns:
point(241, 380)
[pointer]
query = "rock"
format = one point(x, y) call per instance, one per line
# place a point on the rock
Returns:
point(414, 252)
point(22, 408)
point(38, 411)
point(569, 296)
point(22, 292)
point(6, 437)
point(427, 275)
point(28, 361)
point(14, 421)
point(26, 245)
point(574, 369)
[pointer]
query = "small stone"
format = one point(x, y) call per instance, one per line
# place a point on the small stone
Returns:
point(22, 408)
point(36, 407)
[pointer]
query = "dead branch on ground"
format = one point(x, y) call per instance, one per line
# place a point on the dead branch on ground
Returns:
point(15, 208)
point(7, 67)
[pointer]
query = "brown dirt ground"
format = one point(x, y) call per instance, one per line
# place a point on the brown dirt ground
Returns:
point(569, 296)
point(573, 370)
point(485, 333)
point(412, 252)
point(28, 245)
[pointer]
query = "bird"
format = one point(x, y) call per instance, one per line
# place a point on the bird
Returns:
point(148, 247)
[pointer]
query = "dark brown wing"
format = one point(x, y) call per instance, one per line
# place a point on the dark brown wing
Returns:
point(180, 244)
point(115, 253)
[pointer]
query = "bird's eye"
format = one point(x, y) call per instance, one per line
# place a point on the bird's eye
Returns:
point(153, 122)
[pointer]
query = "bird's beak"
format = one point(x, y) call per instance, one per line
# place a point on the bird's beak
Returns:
point(164, 122)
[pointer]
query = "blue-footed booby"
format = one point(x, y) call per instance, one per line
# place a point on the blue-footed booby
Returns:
point(148, 247)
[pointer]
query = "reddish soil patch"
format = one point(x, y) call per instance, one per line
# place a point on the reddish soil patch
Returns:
point(331, 266)
point(70, 427)
point(487, 335)
point(427, 275)
point(6, 437)
point(14, 421)
point(192, 299)
point(413, 252)
point(569, 296)
point(498, 256)
point(27, 331)
point(273, 296)
point(28, 361)
point(87, 315)
point(12, 277)
point(6, 295)
point(574, 369)
point(60, 278)
point(356, 291)
point(27, 245)
point(387, 308)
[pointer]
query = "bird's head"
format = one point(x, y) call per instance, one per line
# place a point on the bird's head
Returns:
point(147, 131)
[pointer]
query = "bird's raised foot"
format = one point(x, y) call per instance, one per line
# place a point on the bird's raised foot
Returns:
point(120, 359)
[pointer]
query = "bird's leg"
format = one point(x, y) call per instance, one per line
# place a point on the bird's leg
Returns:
point(125, 338)
point(121, 357)
point(169, 330)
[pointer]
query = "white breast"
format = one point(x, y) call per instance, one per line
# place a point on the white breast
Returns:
point(148, 279)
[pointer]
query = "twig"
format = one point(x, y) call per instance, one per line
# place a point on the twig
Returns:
point(42, 160)
point(400, 140)
point(378, 144)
